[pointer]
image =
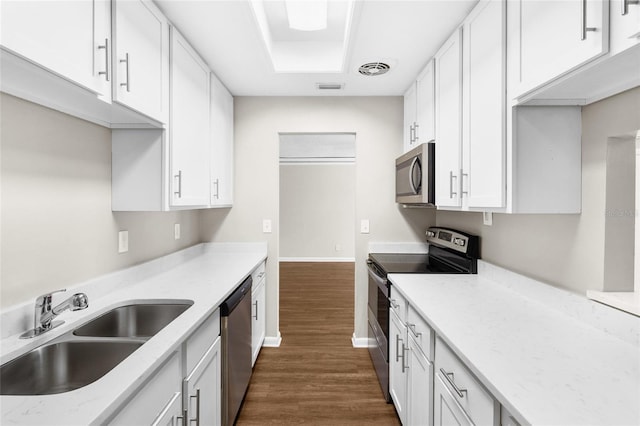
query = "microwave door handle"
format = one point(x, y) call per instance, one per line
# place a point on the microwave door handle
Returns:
point(414, 164)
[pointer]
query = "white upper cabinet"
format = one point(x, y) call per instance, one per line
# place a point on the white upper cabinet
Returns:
point(190, 140)
point(554, 37)
point(70, 38)
point(410, 116)
point(419, 105)
point(222, 145)
point(484, 71)
point(625, 24)
point(140, 57)
point(425, 113)
point(448, 114)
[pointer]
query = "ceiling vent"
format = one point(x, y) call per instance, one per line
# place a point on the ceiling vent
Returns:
point(329, 86)
point(374, 68)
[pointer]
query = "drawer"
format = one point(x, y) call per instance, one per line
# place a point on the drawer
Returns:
point(420, 331)
point(258, 275)
point(465, 388)
point(201, 339)
point(398, 304)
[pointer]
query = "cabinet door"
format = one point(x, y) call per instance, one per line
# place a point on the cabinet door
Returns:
point(446, 411)
point(398, 365)
point(70, 38)
point(172, 414)
point(410, 118)
point(189, 125)
point(419, 387)
point(258, 315)
point(448, 62)
point(484, 145)
point(625, 24)
point(426, 104)
point(222, 144)
point(141, 57)
point(556, 37)
point(202, 389)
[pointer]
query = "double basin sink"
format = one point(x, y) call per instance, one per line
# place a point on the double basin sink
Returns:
point(88, 352)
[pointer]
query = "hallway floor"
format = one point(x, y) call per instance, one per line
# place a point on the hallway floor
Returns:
point(315, 377)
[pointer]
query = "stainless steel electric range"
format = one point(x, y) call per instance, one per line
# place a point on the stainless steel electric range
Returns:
point(450, 252)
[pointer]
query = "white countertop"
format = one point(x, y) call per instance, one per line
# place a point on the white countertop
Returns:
point(207, 274)
point(548, 356)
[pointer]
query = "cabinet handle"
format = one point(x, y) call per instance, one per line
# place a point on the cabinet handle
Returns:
point(216, 183)
point(415, 132)
point(412, 327)
point(197, 397)
point(183, 417)
point(179, 184)
point(398, 340)
point(394, 304)
point(256, 305)
point(126, 61)
point(105, 46)
point(412, 137)
point(462, 183)
point(626, 3)
point(260, 275)
point(405, 349)
point(583, 17)
point(451, 177)
point(449, 377)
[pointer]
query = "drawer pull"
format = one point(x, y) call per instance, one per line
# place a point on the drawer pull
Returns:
point(394, 304)
point(412, 327)
point(449, 377)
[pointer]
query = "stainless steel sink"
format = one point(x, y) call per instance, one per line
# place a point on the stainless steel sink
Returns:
point(62, 367)
point(133, 321)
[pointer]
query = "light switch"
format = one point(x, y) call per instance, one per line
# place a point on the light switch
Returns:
point(176, 231)
point(364, 226)
point(123, 241)
point(266, 226)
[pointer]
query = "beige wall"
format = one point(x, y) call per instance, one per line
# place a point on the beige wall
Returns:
point(564, 250)
point(57, 228)
point(317, 211)
point(377, 123)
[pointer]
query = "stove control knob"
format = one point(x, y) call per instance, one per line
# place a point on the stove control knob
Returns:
point(459, 242)
point(431, 234)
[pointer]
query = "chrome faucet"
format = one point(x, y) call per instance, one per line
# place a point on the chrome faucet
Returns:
point(45, 312)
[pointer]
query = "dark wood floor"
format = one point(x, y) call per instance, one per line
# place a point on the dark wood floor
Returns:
point(316, 376)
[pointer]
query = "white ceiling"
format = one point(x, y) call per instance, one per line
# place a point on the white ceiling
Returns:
point(403, 34)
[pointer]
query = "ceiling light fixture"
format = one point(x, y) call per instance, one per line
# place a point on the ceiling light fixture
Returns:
point(307, 15)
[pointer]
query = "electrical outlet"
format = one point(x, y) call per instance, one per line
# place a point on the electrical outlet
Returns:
point(487, 218)
point(364, 226)
point(176, 231)
point(266, 226)
point(123, 241)
point(338, 247)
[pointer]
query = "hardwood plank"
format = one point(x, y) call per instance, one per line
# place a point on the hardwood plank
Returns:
point(315, 377)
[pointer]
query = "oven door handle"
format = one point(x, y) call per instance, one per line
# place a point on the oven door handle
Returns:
point(380, 281)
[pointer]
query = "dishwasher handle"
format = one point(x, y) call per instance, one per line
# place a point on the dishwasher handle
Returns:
point(236, 297)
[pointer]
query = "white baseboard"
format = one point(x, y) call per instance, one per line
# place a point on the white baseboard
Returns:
point(317, 259)
point(359, 342)
point(272, 342)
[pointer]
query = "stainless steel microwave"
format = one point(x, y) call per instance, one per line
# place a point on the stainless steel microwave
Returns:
point(415, 176)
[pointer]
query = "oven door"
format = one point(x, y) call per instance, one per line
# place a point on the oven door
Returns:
point(378, 319)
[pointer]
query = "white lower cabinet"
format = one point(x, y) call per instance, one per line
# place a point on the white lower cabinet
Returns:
point(172, 413)
point(186, 389)
point(258, 311)
point(398, 365)
point(154, 402)
point(462, 393)
point(419, 387)
point(201, 389)
point(446, 411)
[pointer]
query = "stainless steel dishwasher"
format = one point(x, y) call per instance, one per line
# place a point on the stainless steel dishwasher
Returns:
point(235, 318)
